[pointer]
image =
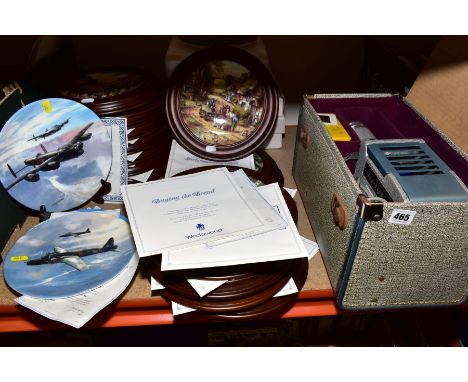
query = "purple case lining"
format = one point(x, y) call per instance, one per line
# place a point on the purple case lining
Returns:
point(388, 118)
point(347, 148)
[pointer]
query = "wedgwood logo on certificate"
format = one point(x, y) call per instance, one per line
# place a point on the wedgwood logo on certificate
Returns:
point(201, 228)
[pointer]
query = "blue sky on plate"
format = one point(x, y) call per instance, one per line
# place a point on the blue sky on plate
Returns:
point(62, 280)
point(77, 179)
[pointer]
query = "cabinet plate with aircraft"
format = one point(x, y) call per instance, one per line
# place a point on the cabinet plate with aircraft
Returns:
point(54, 153)
point(69, 255)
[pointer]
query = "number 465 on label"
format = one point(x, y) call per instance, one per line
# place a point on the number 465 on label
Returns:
point(404, 217)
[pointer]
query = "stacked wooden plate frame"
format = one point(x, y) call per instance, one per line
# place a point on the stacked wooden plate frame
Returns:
point(248, 291)
point(135, 95)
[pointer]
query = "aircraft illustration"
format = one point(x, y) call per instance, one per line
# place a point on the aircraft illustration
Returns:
point(50, 131)
point(73, 257)
point(75, 234)
point(50, 160)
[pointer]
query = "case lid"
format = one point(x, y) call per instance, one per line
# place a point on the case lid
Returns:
point(222, 103)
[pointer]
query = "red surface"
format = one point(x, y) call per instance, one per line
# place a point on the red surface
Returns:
point(152, 311)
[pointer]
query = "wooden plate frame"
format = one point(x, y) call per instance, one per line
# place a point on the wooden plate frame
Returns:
point(228, 152)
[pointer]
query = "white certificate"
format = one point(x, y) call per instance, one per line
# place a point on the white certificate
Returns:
point(181, 160)
point(177, 213)
point(79, 309)
point(280, 244)
point(268, 213)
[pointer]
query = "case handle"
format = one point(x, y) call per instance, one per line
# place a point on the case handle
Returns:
point(339, 212)
point(305, 137)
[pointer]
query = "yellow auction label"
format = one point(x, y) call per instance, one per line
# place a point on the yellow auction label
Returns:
point(19, 258)
point(47, 106)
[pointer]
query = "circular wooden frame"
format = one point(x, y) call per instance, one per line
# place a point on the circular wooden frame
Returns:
point(269, 167)
point(82, 85)
point(238, 297)
point(239, 284)
point(182, 132)
point(273, 306)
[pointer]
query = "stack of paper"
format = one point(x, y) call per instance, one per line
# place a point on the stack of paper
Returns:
point(209, 207)
point(279, 244)
point(210, 219)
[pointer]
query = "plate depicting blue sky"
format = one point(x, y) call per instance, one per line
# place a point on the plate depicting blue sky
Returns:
point(47, 277)
point(69, 179)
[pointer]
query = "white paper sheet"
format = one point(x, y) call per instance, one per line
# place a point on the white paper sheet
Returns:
point(133, 157)
point(77, 310)
point(180, 309)
point(192, 210)
point(155, 285)
point(289, 288)
point(311, 247)
point(119, 171)
point(143, 177)
point(279, 244)
point(268, 212)
point(203, 287)
point(291, 191)
point(181, 160)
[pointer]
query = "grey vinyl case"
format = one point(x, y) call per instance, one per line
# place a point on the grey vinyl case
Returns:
point(372, 263)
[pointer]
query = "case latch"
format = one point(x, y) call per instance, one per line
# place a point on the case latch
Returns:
point(338, 210)
point(305, 137)
point(370, 209)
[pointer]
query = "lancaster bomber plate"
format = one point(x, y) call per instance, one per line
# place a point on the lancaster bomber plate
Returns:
point(54, 152)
